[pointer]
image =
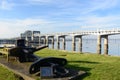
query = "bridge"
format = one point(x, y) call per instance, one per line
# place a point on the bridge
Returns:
point(75, 35)
point(7, 42)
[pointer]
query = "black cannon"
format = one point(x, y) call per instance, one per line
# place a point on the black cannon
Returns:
point(26, 54)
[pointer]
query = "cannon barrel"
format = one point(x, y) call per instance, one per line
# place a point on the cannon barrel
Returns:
point(25, 54)
point(39, 48)
point(17, 51)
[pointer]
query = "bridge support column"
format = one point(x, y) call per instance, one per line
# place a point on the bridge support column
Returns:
point(99, 44)
point(44, 41)
point(33, 41)
point(47, 38)
point(58, 43)
point(64, 44)
point(27, 43)
point(80, 44)
point(39, 41)
point(53, 43)
point(106, 45)
point(73, 43)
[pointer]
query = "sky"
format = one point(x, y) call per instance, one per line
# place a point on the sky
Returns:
point(54, 16)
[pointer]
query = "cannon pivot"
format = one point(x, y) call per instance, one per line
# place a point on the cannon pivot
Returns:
point(57, 65)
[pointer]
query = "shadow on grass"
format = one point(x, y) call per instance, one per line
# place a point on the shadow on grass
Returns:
point(87, 71)
point(83, 62)
point(83, 76)
point(78, 68)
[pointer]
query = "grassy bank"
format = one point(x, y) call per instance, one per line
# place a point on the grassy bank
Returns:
point(98, 67)
point(7, 75)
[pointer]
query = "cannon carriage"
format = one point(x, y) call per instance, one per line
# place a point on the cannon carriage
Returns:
point(24, 53)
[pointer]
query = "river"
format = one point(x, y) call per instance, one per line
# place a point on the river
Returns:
point(90, 45)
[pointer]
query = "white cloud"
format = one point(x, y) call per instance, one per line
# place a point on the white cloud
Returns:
point(56, 3)
point(95, 22)
point(5, 5)
point(13, 27)
point(74, 7)
point(94, 5)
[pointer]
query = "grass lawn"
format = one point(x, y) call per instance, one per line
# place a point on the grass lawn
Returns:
point(6, 74)
point(98, 67)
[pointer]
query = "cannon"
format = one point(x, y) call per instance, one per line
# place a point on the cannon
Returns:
point(26, 54)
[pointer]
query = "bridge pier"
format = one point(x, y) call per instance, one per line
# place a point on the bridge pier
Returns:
point(42, 41)
point(99, 44)
point(43, 38)
point(80, 44)
point(63, 41)
point(73, 43)
point(53, 43)
point(39, 41)
point(64, 44)
point(58, 43)
point(46, 39)
point(27, 43)
point(32, 39)
point(106, 45)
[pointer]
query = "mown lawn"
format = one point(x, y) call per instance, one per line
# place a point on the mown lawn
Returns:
point(98, 67)
point(6, 74)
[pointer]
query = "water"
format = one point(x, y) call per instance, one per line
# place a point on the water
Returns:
point(90, 45)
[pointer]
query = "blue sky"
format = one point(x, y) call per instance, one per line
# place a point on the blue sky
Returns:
point(51, 16)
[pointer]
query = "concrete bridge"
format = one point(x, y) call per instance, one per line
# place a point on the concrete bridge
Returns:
point(7, 42)
point(76, 35)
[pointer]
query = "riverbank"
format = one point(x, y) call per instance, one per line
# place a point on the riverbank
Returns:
point(98, 67)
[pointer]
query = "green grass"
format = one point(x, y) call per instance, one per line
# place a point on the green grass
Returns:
point(98, 67)
point(6, 74)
